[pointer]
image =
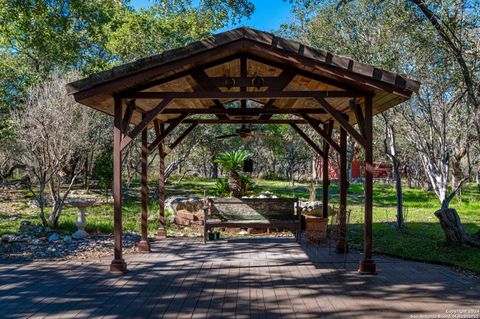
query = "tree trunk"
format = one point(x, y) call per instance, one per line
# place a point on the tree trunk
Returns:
point(391, 151)
point(398, 191)
point(350, 157)
point(235, 184)
point(214, 170)
point(41, 203)
point(453, 228)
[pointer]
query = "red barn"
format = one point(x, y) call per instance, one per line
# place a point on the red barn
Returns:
point(382, 169)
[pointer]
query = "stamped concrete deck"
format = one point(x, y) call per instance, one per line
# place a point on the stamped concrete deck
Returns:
point(258, 278)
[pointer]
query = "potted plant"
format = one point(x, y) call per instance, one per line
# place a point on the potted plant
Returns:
point(315, 224)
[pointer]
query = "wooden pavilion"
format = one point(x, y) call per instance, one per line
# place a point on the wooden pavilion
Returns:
point(313, 87)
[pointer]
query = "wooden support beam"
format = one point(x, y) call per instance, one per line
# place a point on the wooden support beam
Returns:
point(367, 265)
point(208, 95)
point(341, 245)
point(239, 81)
point(245, 112)
point(243, 121)
point(177, 75)
point(359, 116)
point(143, 245)
point(127, 117)
point(145, 121)
point(283, 80)
point(118, 265)
point(316, 126)
point(307, 139)
point(307, 74)
point(167, 131)
point(243, 73)
point(203, 80)
point(328, 129)
point(182, 137)
point(159, 130)
point(341, 120)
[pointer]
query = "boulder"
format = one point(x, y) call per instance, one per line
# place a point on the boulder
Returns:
point(185, 214)
point(191, 204)
point(187, 210)
point(182, 221)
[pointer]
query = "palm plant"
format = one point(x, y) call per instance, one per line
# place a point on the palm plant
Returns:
point(233, 162)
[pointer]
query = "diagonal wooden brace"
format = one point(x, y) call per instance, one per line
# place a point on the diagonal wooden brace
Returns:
point(206, 84)
point(307, 139)
point(341, 120)
point(147, 119)
point(316, 126)
point(359, 116)
point(165, 133)
point(127, 117)
point(182, 137)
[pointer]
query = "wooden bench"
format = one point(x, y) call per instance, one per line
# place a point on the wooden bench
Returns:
point(257, 213)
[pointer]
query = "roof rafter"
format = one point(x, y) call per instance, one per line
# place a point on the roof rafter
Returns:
point(208, 95)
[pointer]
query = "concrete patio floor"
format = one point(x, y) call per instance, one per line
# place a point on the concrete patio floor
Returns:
point(257, 278)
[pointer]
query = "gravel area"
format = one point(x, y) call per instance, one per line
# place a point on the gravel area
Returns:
point(45, 245)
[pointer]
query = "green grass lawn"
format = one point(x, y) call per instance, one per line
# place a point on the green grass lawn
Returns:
point(422, 238)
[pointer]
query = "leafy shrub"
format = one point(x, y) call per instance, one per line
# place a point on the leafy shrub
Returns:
point(103, 170)
point(221, 188)
point(248, 185)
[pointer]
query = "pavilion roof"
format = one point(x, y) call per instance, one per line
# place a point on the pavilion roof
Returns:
point(228, 63)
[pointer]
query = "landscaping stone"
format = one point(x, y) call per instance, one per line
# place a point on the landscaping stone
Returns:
point(182, 221)
point(185, 214)
point(40, 248)
point(192, 204)
point(265, 194)
point(7, 238)
point(54, 237)
point(188, 211)
point(79, 234)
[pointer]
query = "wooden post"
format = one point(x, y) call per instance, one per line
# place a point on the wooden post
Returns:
point(143, 245)
point(341, 245)
point(367, 265)
point(326, 180)
point(161, 233)
point(118, 265)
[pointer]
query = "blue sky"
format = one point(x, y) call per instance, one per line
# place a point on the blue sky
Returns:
point(268, 15)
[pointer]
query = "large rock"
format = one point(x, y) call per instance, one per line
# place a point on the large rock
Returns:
point(182, 221)
point(185, 214)
point(192, 204)
point(187, 210)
